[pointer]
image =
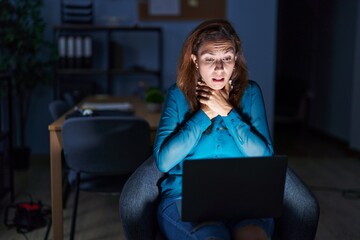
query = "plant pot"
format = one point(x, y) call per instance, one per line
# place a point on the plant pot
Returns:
point(154, 107)
point(21, 158)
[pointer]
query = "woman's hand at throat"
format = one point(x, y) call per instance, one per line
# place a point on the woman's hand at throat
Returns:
point(214, 102)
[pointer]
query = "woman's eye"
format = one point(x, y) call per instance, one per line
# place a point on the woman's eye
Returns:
point(209, 60)
point(227, 59)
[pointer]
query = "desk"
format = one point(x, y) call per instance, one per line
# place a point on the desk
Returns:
point(56, 147)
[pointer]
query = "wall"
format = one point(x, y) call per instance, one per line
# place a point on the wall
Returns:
point(254, 20)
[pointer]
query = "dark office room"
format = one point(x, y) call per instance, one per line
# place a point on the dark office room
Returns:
point(87, 86)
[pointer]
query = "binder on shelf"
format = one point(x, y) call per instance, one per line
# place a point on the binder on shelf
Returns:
point(79, 52)
point(62, 51)
point(70, 53)
point(87, 44)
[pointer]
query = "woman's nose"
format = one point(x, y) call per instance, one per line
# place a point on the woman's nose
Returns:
point(219, 64)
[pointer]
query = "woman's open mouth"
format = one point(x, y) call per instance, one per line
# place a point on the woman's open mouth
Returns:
point(218, 79)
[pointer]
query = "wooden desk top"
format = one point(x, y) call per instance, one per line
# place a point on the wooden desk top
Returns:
point(138, 105)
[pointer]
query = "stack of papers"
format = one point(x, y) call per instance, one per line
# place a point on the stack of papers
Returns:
point(121, 106)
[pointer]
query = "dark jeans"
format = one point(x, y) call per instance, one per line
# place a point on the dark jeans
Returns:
point(173, 228)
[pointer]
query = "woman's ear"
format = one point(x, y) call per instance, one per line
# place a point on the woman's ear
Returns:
point(194, 59)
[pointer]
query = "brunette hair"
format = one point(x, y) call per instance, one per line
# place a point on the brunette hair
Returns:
point(187, 74)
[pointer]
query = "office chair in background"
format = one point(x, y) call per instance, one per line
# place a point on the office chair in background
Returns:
point(57, 108)
point(102, 152)
point(69, 99)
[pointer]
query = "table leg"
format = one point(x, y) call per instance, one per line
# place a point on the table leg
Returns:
point(56, 184)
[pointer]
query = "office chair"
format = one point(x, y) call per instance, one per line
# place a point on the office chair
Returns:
point(57, 108)
point(69, 99)
point(140, 196)
point(102, 152)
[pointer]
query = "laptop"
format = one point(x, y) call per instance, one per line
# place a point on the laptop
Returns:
point(232, 188)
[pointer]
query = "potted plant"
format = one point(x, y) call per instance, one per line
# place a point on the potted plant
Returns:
point(23, 53)
point(154, 98)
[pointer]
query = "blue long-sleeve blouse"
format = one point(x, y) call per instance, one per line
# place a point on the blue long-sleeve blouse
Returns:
point(182, 135)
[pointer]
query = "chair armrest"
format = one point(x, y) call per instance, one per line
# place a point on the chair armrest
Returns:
point(301, 211)
point(138, 201)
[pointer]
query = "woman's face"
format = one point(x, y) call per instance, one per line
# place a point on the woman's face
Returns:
point(215, 62)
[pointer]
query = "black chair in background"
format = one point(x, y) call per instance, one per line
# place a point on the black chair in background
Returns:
point(102, 152)
point(69, 99)
point(140, 196)
point(57, 108)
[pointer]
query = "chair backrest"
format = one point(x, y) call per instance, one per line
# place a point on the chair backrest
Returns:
point(69, 99)
point(105, 145)
point(57, 108)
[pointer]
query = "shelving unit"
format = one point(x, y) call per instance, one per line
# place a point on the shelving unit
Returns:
point(107, 70)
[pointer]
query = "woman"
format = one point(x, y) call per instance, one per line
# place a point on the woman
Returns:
point(212, 112)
